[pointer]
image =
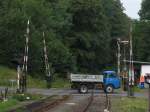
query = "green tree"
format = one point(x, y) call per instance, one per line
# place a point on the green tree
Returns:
point(119, 22)
point(79, 33)
point(141, 39)
point(145, 10)
point(118, 25)
point(89, 35)
point(13, 21)
point(142, 32)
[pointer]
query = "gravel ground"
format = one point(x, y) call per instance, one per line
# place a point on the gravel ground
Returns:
point(71, 105)
point(78, 102)
point(98, 104)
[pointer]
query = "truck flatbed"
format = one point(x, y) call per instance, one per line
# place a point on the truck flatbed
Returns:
point(86, 78)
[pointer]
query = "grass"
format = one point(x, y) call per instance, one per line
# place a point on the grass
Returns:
point(60, 83)
point(5, 106)
point(23, 108)
point(7, 74)
point(35, 83)
point(18, 100)
point(137, 89)
point(56, 83)
point(129, 104)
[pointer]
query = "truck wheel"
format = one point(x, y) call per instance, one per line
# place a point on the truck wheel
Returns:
point(83, 89)
point(109, 89)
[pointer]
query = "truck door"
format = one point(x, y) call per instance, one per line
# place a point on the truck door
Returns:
point(111, 78)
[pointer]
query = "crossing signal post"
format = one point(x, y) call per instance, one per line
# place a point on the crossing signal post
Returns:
point(22, 74)
point(47, 66)
point(22, 71)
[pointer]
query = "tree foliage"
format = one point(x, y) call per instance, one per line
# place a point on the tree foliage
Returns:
point(78, 32)
point(142, 32)
point(145, 10)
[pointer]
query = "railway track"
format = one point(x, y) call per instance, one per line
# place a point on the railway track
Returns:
point(102, 103)
point(107, 103)
point(46, 105)
point(43, 105)
point(91, 98)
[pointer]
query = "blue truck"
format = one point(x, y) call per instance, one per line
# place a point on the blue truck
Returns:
point(108, 81)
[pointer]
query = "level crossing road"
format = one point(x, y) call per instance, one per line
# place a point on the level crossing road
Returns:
point(68, 91)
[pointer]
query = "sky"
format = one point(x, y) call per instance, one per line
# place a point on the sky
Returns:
point(132, 8)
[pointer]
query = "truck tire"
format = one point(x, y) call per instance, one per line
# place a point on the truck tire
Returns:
point(83, 89)
point(109, 89)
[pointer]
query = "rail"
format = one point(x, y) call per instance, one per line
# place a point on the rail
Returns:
point(91, 99)
point(43, 105)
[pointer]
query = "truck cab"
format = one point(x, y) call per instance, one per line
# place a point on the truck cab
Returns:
point(111, 81)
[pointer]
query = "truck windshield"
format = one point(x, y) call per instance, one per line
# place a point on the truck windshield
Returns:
point(110, 75)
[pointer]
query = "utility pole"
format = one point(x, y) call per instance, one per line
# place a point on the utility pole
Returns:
point(124, 57)
point(131, 69)
point(124, 76)
point(124, 42)
point(119, 53)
